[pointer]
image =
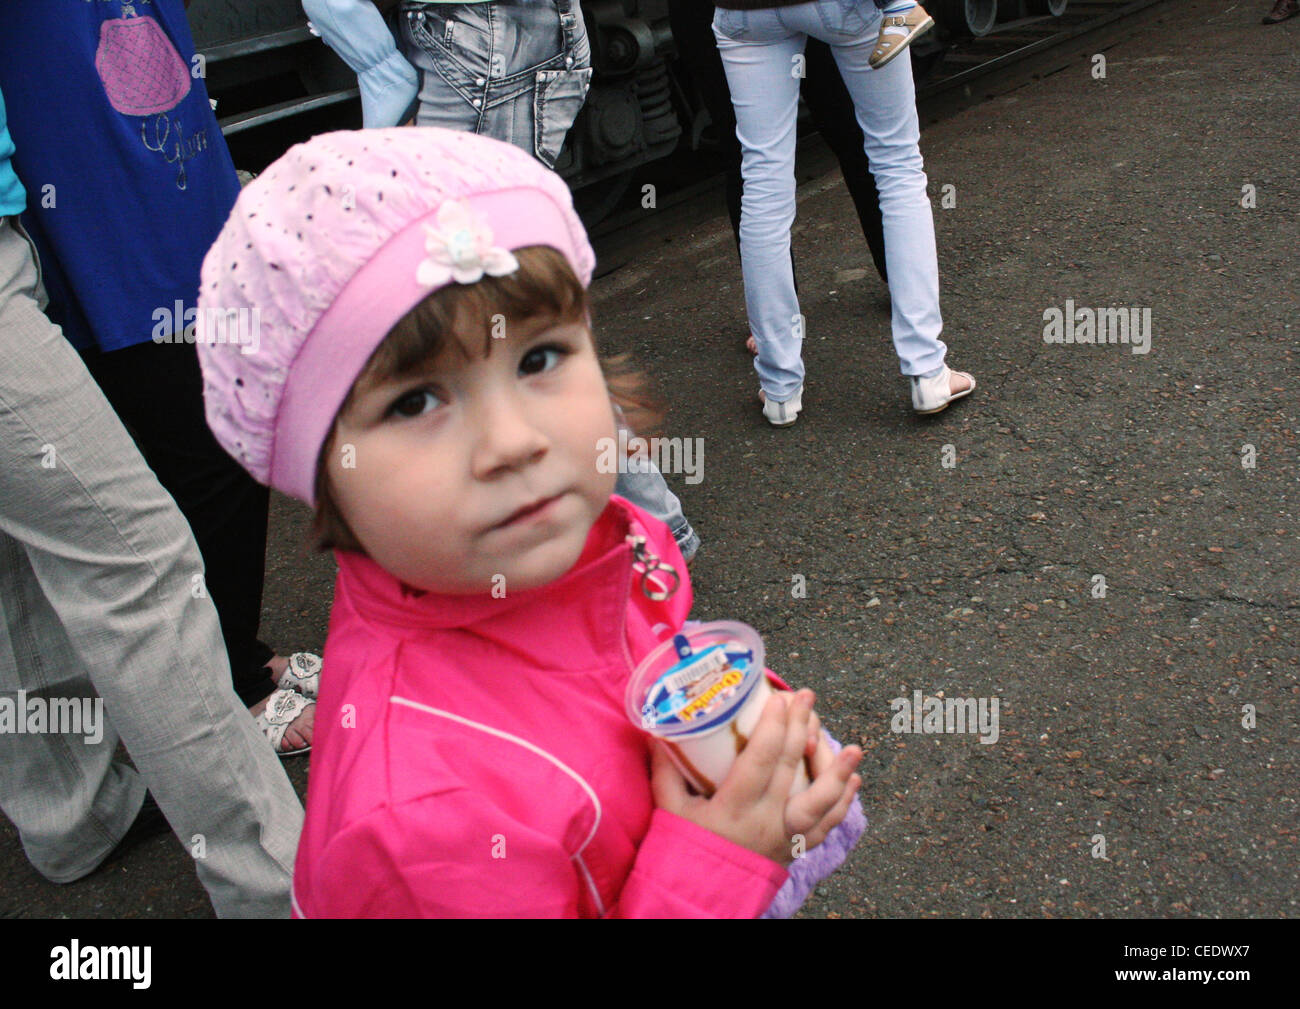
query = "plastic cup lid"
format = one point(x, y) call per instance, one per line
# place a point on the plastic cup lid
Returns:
point(697, 681)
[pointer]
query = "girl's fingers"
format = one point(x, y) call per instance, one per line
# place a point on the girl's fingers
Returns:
point(812, 805)
point(752, 772)
point(814, 735)
point(814, 725)
point(823, 756)
point(837, 813)
point(796, 740)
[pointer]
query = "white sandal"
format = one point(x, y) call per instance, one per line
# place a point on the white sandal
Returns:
point(931, 395)
point(282, 708)
point(302, 674)
point(785, 413)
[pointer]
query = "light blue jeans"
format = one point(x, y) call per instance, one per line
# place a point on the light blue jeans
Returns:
point(762, 51)
point(516, 70)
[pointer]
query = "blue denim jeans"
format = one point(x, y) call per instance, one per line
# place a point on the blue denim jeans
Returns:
point(762, 52)
point(516, 70)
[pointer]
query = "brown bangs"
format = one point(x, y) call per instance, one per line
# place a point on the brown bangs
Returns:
point(544, 285)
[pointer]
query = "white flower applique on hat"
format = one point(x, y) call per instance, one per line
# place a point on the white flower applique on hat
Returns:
point(460, 249)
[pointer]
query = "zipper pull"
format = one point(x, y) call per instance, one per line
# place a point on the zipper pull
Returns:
point(655, 574)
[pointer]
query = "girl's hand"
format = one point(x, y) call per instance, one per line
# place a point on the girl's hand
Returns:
point(834, 784)
point(818, 750)
point(753, 807)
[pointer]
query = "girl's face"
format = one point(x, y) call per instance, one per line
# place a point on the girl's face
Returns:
point(481, 467)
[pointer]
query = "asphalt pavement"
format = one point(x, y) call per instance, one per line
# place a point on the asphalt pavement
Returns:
point(1102, 542)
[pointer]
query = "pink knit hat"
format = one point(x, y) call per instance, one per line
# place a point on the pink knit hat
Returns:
point(328, 248)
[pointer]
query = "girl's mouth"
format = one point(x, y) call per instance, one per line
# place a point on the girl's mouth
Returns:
point(529, 512)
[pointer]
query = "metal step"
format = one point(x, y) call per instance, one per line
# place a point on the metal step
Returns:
point(258, 44)
point(284, 110)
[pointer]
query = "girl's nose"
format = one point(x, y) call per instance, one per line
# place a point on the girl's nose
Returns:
point(505, 436)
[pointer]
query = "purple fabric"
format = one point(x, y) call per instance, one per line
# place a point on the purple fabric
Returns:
point(821, 861)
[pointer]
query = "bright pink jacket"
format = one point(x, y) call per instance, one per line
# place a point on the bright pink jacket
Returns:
point(472, 757)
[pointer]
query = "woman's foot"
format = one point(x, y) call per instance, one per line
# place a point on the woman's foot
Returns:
point(301, 671)
point(277, 664)
point(295, 737)
point(298, 734)
point(785, 413)
point(930, 395)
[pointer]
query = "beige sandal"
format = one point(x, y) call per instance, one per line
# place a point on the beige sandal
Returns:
point(914, 23)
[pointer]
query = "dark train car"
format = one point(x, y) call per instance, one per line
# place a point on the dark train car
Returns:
point(276, 83)
point(979, 17)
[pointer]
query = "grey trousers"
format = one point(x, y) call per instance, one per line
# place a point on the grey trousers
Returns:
point(101, 595)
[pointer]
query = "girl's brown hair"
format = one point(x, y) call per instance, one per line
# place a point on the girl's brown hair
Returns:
point(544, 285)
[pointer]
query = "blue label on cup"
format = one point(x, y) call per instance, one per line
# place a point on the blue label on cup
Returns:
point(697, 685)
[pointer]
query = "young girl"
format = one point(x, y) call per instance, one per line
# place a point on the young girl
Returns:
point(425, 376)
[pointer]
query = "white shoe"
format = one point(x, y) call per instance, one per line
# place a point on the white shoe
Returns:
point(282, 709)
point(930, 395)
point(782, 414)
point(302, 674)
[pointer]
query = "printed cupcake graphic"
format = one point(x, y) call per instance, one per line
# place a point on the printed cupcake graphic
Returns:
point(142, 72)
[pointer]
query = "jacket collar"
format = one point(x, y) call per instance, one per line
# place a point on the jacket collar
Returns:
point(595, 590)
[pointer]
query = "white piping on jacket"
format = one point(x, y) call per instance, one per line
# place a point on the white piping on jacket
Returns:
point(591, 793)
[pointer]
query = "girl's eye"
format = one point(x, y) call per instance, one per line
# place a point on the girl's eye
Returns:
point(414, 403)
point(541, 359)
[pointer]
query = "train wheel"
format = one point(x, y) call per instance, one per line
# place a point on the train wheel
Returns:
point(1053, 7)
point(970, 17)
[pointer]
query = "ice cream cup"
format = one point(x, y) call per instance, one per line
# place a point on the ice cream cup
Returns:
point(702, 693)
